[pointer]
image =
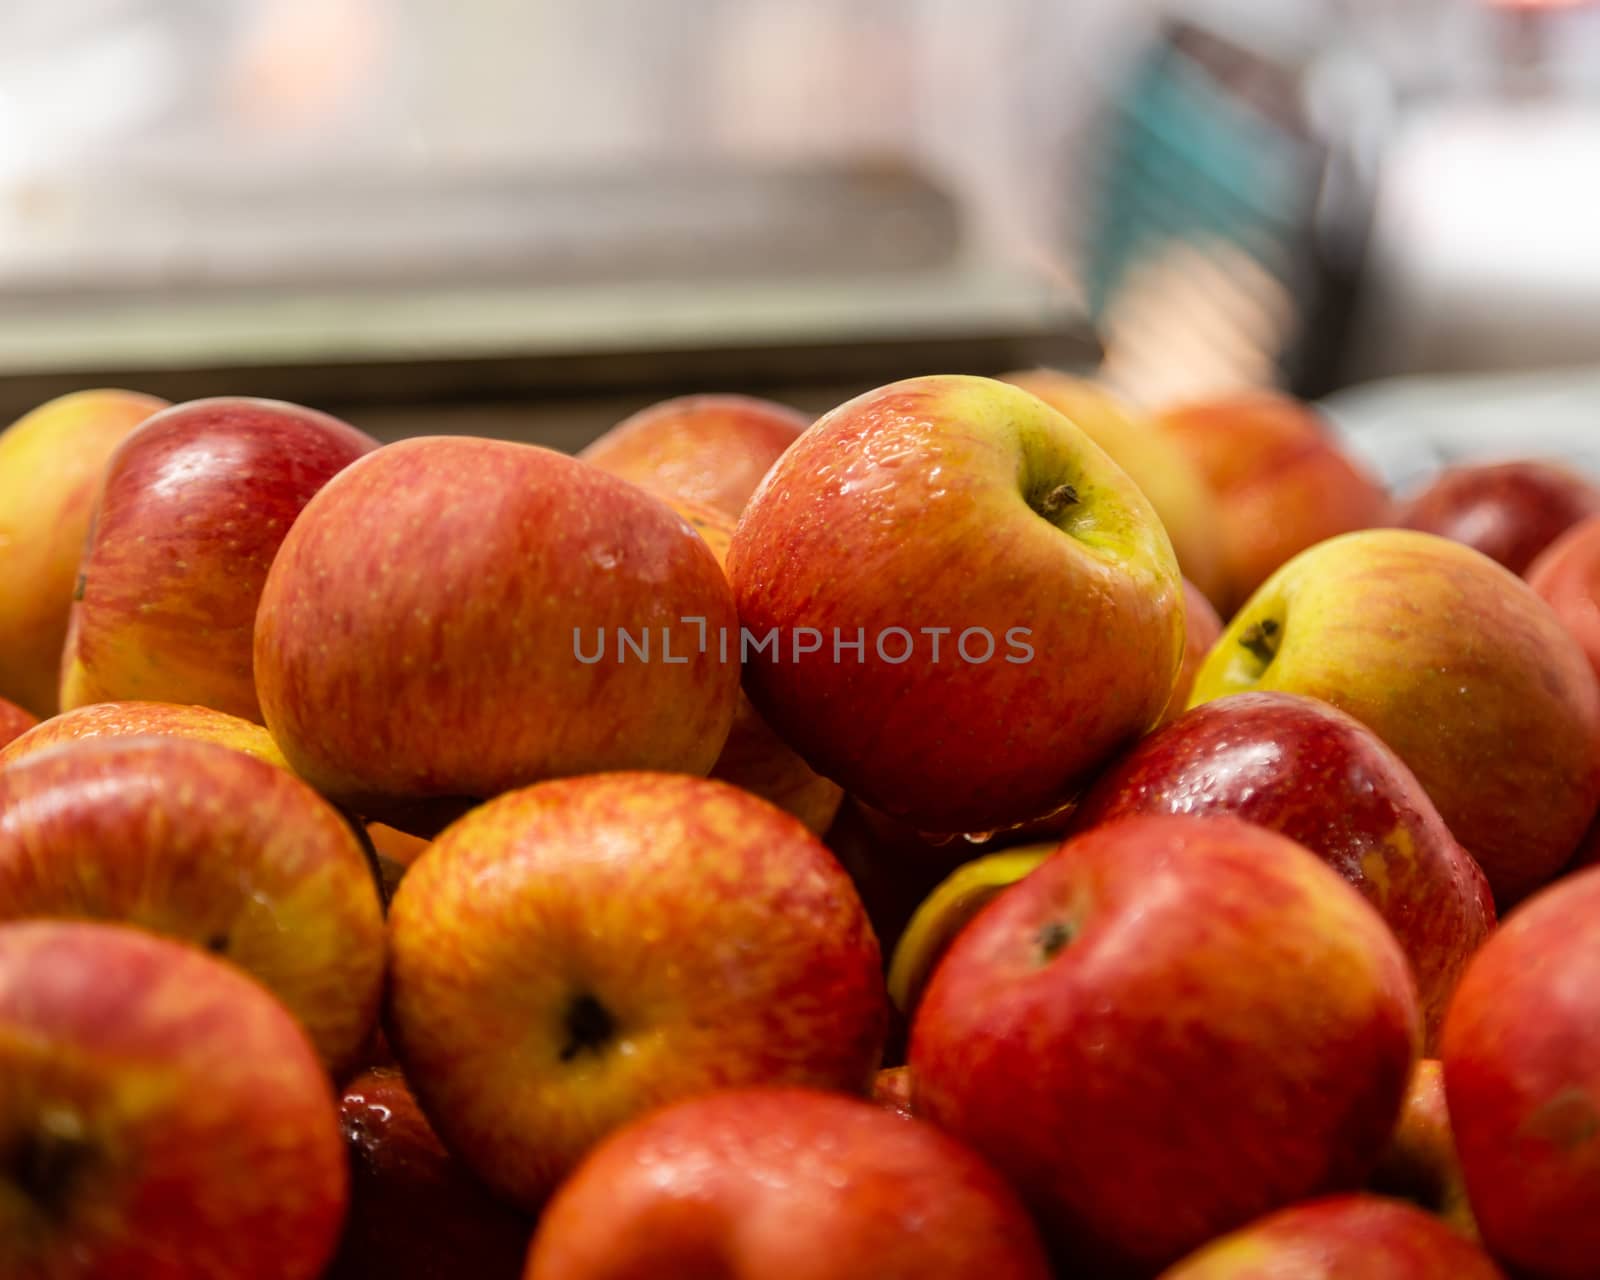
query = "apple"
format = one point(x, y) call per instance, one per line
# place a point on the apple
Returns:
point(1202, 628)
point(1567, 577)
point(416, 1213)
point(194, 506)
point(1521, 1057)
point(1279, 478)
point(892, 1091)
point(571, 954)
point(142, 719)
point(452, 618)
point(1017, 603)
point(1348, 1237)
point(784, 1182)
point(160, 1115)
point(709, 449)
point(1458, 666)
point(1306, 770)
point(755, 757)
point(51, 462)
point(14, 722)
point(1197, 1002)
point(209, 846)
point(394, 845)
point(1421, 1164)
point(1162, 470)
point(1510, 511)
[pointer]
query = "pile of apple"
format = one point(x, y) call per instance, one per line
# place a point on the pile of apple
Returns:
point(855, 850)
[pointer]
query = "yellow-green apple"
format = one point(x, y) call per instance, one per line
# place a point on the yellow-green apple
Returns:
point(1162, 470)
point(161, 1116)
point(748, 1183)
point(145, 719)
point(710, 449)
point(51, 462)
point(14, 722)
point(1420, 1163)
point(452, 618)
point(416, 1213)
point(1280, 480)
point(1521, 1056)
point(892, 1091)
point(571, 954)
point(755, 757)
point(1458, 666)
point(968, 606)
point(1347, 1237)
point(1510, 511)
point(1308, 771)
point(1199, 1001)
point(209, 846)
point(194, 506)
point(1202, 628)
point(1567, 577)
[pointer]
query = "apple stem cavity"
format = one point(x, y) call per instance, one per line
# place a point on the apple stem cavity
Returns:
point(50, 1158)
point(1053, 937)
point(1056, 501)
point(589, 1025)
point(1261, 639)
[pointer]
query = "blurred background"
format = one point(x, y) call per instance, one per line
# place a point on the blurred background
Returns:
point(529, 217)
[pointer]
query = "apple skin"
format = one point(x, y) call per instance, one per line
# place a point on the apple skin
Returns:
point(1197, 999)
point(1566, 576)
point(1461, 669)
point(1350, 1237)
point(752, 1183)
point(1280, 481)
point(1420, 1163)
point(194, 506)
point(892, 1091)
point(14, 722)
point(709, 449)
point(1202, 628)
point(51, 464)
point(416, 645)
point(1161, 470)
point(1521, 1056)
point(918, 506)
point(145, 719)
point(574, 953)
point(1306, 770)
point(175, 1121)
point(416, 1213)
point(755, 757)
point(212, 847)
point(1510, 511)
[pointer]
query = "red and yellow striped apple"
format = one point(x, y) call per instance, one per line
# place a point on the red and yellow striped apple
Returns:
point(145, 719)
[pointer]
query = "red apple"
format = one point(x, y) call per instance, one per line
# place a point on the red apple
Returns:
point(51, 464)
point(783, 1182)
point(1308, 771)
point(1280, 479)
point(14, 722)
point(1420, 1163)
point(964, 513)
point(446, 622)
point(1351, 1237)
point(892, 1091)
point(416, 1213)
point(1198, 1002)
point(1521, 1057)
point(195, 504)
point(711, 449)
point(1567, 576)
point(1461, 669)
point(162, 1117)
point(1510, 511)
point(572, 954)
point(142, 719)
point(210, 846)
point(1202, 628)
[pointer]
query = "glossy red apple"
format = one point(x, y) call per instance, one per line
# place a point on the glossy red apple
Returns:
point(161, 1116)
point(1510, 511)
point(1567, 576)
point(1521, 1055)
point(1200, 1003)
point(1420, 1163)
point(194, 506)
point(416, 1213)
point(444, 622)
point(14, 722)
point(892, 1091)
point(784, 1182)
point(1305, 769)
point(711, 449)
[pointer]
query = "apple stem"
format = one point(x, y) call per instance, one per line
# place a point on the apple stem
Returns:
point(1260, 639)
point(1057, 501)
